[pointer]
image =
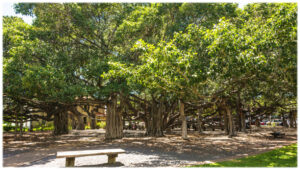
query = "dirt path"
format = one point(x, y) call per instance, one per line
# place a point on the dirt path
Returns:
point(39, 149)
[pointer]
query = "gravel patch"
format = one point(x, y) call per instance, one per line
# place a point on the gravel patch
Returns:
point(134, 157)
point(141, 151)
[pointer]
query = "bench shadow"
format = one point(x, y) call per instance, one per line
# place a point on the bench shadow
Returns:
point(117, 164)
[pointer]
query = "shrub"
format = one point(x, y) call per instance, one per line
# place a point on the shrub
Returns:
point(101, 125)
point(8, 127)
point(44, 128)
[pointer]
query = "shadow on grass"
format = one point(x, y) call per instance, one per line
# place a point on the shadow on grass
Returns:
point(283, 157)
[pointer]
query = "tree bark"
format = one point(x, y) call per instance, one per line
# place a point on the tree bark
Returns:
point(73, 122)
point(114, 125)
point(21, 122)
point(183, 120)
point(80, 123)
point(93, 121)
point(293, 117)
point(30, 126)
point(148, 124)
point(199, 122)
point(157, 121)
point(220, 117)
point(284, 122)
point(230, 122)
point(155, 124)
point(16, 124)
point(243, 122)
point(257, 122)
point(21, 127)
point(241, 115)
point(241, 119)
point(225, 117)
point(250, 122)
point(60, 123)
point(239, 122)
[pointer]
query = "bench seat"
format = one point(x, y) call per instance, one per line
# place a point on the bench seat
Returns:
point(71, 155)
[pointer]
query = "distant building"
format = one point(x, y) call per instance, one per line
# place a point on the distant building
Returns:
point(100, 114)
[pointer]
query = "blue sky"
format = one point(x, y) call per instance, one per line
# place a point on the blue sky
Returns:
point(7, 9)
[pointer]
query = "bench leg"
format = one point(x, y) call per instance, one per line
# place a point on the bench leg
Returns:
point(112, 158)
point(70, 162)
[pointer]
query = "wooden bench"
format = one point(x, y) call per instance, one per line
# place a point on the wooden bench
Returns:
point(71, 155)
point(278, 134)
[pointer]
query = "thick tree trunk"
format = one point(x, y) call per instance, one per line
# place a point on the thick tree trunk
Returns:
point(257, 122)
point(123, 109)
point(230, 122)
point(157, 129)
point(199, 122)
point(21, 122)
point(41, 124)
point(80, 123)
point(284, 122)
point(250, 122)
point(155, 123)
point(16, 124)
point(60, 123)
point(225, 117)
point(73, 122)
point(148, 124)
point(239, 123)
point(147, 119)
point(30, 126)
point(220, 117)
point(293, 117)
point(93, 121)
point(165, 120)
point(241, 115)
point(243, 122)
point(114, 125)
point(183, 120)
point(123, 122)
point(21, 127)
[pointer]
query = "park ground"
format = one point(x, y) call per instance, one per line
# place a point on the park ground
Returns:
point(38, 149)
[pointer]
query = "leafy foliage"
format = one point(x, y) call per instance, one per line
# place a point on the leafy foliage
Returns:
point(199, 53)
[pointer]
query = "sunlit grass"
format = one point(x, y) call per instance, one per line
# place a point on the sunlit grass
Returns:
point(283, 157)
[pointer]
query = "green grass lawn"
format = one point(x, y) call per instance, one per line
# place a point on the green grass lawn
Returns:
point(282, 157)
